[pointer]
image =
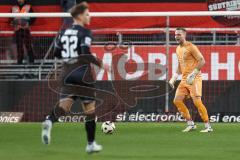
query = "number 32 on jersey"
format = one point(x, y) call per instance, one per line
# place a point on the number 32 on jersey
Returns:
point(69, 46)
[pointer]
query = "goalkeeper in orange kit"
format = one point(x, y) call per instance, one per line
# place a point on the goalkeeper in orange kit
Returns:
point(190, 62)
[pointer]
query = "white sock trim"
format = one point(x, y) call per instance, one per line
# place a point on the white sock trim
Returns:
point(207, 125)
point(190, 123)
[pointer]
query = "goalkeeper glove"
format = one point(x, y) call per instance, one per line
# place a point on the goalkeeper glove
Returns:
point(192, 76)
point(173, 80)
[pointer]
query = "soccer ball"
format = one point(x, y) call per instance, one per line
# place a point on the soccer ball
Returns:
point(108, 127)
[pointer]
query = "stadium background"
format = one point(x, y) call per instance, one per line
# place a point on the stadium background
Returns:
point(220, 91)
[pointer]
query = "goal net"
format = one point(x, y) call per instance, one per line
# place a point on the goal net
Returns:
point(141, 49)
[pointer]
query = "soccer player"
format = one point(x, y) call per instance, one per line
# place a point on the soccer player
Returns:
point(190, 62)
point(73, 47)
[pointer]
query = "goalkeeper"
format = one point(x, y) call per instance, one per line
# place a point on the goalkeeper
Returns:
point(190, 62)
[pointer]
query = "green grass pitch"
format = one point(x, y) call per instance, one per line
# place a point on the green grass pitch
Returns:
point(131, 141)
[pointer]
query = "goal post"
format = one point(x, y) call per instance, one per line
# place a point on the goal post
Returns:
point(127, 14)
point(150, 51)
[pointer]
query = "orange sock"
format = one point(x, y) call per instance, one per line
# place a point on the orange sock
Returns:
point(182, 108)
point(201, 109)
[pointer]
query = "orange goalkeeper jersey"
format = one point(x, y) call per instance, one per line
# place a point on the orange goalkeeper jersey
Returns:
point(188, 56)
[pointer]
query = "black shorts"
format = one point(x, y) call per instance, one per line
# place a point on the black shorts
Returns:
point(77, 83)
point(83, 99)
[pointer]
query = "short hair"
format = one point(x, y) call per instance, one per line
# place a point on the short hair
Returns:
point(182, 29)
point(79, 9)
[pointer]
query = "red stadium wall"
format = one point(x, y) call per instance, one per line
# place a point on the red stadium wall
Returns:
point(41, 24)
point(222, 62)
point(53, 24)
point(220, 90)
point(221, 73)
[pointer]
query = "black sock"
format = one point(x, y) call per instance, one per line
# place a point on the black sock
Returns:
point(55, 114)
point(90, 126)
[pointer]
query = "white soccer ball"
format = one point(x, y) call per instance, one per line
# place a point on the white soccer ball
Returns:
point(108, 127)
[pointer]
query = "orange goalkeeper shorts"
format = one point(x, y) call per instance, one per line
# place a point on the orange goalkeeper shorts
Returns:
point(194, 90)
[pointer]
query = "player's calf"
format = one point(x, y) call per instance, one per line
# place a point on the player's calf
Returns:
point(182, 108)
point(47, 124)
point(46, 131)
point(90, 126)
point(49, 120)
point(204, 114)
